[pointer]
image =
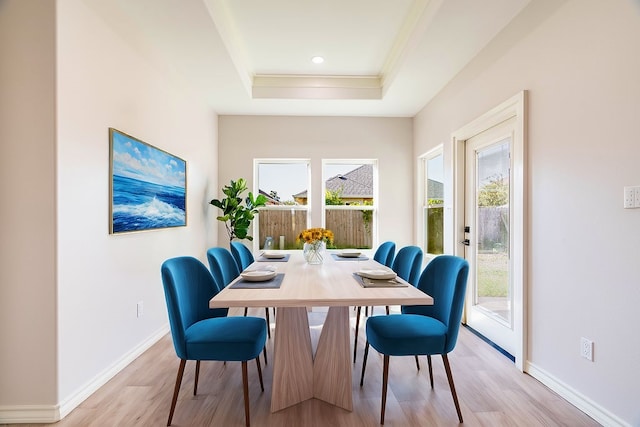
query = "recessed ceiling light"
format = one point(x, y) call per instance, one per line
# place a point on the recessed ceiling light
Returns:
point(317, 59)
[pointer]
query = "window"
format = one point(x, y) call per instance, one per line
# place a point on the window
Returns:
point(433, 202)
point(350, 201)
point(285, 184)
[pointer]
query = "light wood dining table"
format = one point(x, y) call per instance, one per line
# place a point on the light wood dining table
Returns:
point(298, 374)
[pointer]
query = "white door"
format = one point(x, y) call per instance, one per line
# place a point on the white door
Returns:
point(489, 307)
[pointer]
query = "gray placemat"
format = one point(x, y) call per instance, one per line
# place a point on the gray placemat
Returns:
point(371, 283)
point(246, 284)
point(350, 258)
point(263, 259)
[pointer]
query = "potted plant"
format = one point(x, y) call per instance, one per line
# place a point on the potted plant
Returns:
point(236, 216)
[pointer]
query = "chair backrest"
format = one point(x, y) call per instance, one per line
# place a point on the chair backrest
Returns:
point(407, 264)
point(188, 287)
point(242, 255)
point(385, 253)
point(445, 279)
point(223, 266)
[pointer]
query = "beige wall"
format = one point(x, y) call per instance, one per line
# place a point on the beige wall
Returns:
point(243, 138)
point(69, 289)
point(28, 207)
point(580, 62)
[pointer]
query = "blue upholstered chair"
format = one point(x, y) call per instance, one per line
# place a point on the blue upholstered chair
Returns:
point(242, 255)
point(223, 266)
point(197, 334)
point(224, 270)
point(407, 264)
point(423, 330)
point(383, 255)
point(244, 258)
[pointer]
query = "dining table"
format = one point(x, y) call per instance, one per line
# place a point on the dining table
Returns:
point(298, 373)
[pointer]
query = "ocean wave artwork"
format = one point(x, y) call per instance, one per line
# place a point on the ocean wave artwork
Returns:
point(148, 186)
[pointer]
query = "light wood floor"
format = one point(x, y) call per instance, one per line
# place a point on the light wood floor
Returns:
point(491, 392)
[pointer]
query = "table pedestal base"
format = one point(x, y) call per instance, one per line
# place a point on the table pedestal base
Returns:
point(296, 375)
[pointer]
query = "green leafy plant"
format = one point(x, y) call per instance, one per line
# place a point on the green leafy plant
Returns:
point(333, 197)
point(236, 216)
point(494, 193)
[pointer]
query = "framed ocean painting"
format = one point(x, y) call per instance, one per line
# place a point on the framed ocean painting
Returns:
point(147, 187)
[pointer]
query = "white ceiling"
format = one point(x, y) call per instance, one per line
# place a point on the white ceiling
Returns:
point(382, 57)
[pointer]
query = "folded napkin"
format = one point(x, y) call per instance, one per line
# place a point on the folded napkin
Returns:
point(263, 259)
point(271, 283)
point(365, 282)
point(350, 258)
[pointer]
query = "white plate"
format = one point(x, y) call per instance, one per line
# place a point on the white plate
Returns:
point(379, 274)
point(273, 255)
point(258, 275)
point(349, 254)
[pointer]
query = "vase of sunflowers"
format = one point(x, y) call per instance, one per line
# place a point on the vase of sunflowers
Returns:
point(315, 242)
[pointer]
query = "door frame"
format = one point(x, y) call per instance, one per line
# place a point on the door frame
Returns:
point(513, 107)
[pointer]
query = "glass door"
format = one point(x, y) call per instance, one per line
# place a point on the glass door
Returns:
point(489, 308)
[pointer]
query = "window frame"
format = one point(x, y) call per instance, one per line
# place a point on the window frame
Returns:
point(256, 188)
point(373, 207)
point(423, 206)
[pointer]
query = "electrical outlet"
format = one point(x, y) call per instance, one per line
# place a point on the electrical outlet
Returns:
point(636, 197)
point(586, 348)
point(139, 308)
point(629, 197)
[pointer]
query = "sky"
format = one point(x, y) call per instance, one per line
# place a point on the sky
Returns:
point(289, 179)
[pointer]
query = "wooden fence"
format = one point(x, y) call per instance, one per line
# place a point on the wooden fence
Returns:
point(493, 234)
point(348, 227)
point(287, 223)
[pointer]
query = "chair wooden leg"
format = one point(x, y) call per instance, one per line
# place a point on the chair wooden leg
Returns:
point(195, 383)
point(266, 310)
point(447, 368)
point(264, 352)
point(417, 362)
point(366, 310)
point(246, 310)
point(385, 378)
point(355, 335)
point(364, 362)
point(430, 370)
point(245, 387)
point(387, 307)
point(260, 373)
point(176, 389)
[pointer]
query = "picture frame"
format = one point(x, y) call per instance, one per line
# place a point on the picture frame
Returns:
point(147, 186)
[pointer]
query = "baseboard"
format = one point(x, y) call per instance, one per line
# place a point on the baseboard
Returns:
point(577, 399)
point(32, 414)
point(22, 414)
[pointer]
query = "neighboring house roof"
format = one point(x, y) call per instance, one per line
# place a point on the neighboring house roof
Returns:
point(270, 199)
point(356, 184)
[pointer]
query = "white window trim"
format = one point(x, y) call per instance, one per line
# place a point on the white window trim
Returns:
point(515, 106)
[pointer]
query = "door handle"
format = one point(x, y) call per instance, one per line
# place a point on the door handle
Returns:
point(465, 242)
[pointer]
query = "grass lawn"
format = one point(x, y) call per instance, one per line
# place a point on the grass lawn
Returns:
point(493, 275)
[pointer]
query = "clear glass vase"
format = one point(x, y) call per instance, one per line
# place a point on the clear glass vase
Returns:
point(314, 252)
